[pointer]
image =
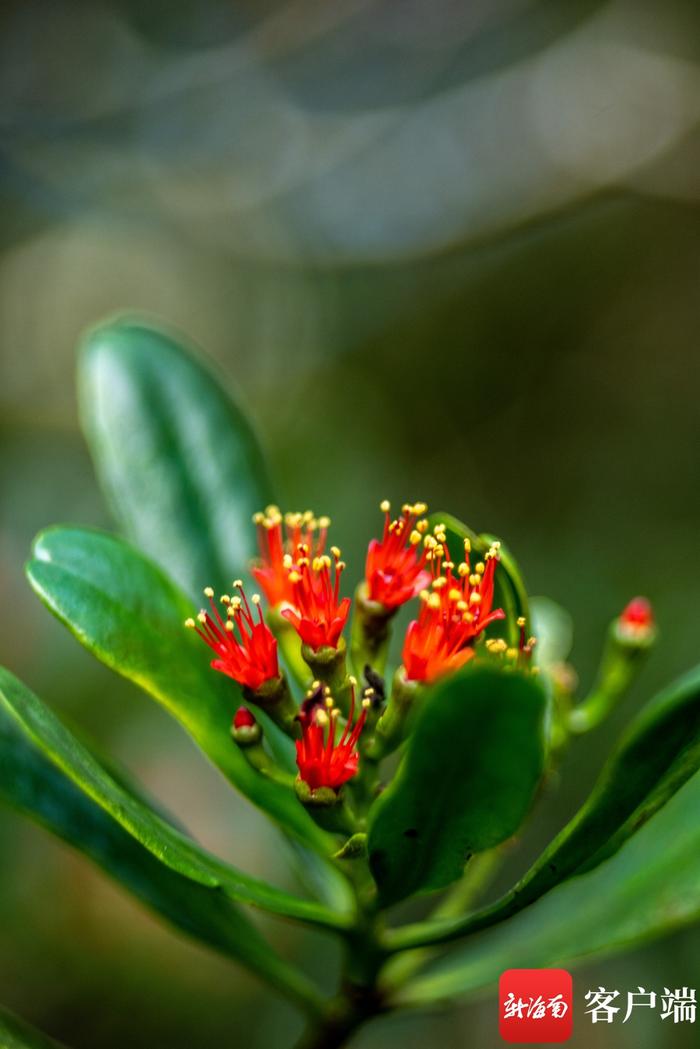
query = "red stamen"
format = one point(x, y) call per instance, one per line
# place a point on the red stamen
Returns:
point(453, 615)
point(249, 658)
point(315, 609)
point(395, 567)
point(323, 762)
point(279, 537)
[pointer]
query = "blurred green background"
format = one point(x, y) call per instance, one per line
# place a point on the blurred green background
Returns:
point(444, 250)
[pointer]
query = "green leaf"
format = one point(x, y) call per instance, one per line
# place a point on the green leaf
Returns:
point(509, 590)
point(33, 783)
point(659, 752)
point(123, 609)
point(17, 1034)
point(649, 887)
point(465, 783)
point(177, 458)
point(166, 842)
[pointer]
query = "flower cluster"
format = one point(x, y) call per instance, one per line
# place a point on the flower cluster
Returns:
point(301, 582)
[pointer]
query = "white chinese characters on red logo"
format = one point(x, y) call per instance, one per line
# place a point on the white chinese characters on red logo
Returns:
point(536, 1005)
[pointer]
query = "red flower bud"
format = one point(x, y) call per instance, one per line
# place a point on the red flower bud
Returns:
point(637, 615)
point(243, 718)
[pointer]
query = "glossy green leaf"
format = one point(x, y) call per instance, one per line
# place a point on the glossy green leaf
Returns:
point(122, 608)
point(657, 755)
point(649, 887)
point(41, 726)
point(33, 783)
point(465, 783)
point(17, 1034)
point(509, 589)
point(176, 456)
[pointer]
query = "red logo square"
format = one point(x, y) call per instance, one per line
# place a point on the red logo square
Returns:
point(536, 1005)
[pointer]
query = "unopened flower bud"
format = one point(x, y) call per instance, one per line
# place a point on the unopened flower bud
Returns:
point(635, 624)
point(245, 729)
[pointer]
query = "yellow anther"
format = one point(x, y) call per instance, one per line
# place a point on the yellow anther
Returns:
point(455, 594)
point(314, 685)
point(434, 601)
point(326, 690)
point(532, 641)
point(340, 565)
point(419, 508)
point(415, 537)
point(224, 599)
point(329, 702)
point(467, 617)
point(335, 550)
point(321, 718)
point(480, 567)
point(324, 522)
point(229, 625)
point(512, 653)
point(202, 616)
point(462, 606)
point(352, 680)
point(439, 583)
point(294, 577)
point(474, 579)
point(189, 623)
point(463, 569)
point(258, 517)
point(474, 598)
point(385, 506)
point(424, 595)
point(255, 599)
point(366, 703)
point(520, 621)
point(496, 645)
point(238, 583)
point(422, 526)
point(208, 592)
point(467, 545)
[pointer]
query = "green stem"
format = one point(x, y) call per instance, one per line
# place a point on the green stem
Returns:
point(359, 998)
point(371, 628)
point(477, 876)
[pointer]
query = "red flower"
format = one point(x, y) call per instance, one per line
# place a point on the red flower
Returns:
point(315, 609)
point(250, 657)
point(395, 567)
point(277, 539)
point(636, 621)
point(453, 614)
point(321, 761)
